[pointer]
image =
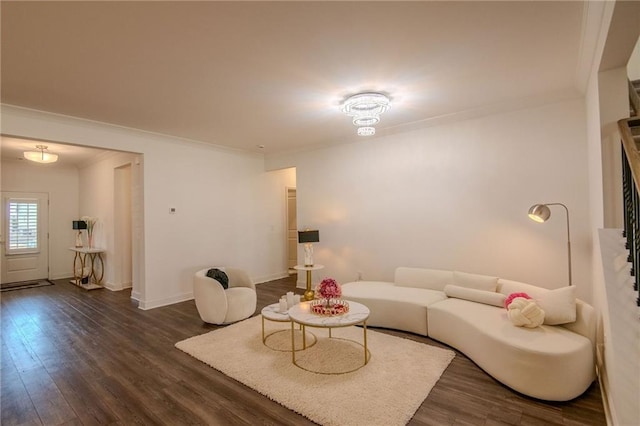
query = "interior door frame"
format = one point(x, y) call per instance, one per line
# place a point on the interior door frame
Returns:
point(286, 225)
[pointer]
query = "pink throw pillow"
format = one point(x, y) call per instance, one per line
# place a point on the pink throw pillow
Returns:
point(512, 296)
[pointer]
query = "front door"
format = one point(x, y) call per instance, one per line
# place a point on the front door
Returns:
point(25, 237)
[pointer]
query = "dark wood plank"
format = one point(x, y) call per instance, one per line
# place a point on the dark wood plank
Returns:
point(75, 357)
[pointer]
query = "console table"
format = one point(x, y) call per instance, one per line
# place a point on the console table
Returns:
point(88, 267)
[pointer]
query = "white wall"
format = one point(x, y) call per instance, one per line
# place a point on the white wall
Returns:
point(633, 67)
point(97, 199)
point(122, 223)
point(614, 105)
point(453, 197)
point(61, 183)
point(217, 193)
point(607, 102)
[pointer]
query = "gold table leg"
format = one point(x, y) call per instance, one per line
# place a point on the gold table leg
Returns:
point(364, 331)
point(309, 294)
point(293, 344)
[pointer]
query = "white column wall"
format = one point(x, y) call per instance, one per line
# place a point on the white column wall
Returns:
point(453, 197)
point(61, 183)
point(633, 67)
point(614, 105)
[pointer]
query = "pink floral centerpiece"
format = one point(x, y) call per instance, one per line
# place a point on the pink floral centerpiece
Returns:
point(329, 289)
point(328, 303)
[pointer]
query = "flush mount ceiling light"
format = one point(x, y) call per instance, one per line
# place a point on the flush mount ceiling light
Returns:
point(365, 108)
point(40, 156)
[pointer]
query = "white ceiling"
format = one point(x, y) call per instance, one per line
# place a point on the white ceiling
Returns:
point(243, 74)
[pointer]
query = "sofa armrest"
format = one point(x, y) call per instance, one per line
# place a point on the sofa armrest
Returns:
point(239, 278)
point(211, 300)
point(585, 323)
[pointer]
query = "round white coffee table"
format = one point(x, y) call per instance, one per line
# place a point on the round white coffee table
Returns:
point(272, 313)
point(358, 314)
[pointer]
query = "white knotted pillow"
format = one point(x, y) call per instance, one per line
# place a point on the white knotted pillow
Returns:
point(525, 313)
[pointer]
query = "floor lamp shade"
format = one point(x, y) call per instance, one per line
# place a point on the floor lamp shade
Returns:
point(308, 237)
point(541, 213)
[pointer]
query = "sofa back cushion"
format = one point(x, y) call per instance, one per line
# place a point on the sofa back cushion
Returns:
point(431, 279)
point(559, 305)
point(475, 281)
point(507, 287)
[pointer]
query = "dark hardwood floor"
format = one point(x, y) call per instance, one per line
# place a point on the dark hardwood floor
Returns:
point(75, 357)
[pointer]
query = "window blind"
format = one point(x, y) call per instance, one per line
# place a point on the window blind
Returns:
point(23, 225)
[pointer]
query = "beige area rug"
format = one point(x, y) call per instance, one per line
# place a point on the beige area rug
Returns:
point(387, 391)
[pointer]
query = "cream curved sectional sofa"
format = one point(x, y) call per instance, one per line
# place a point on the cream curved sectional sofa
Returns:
point(553, 362)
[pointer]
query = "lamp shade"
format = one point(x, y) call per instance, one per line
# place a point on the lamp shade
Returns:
point(79, 224)
point(308, 236)
point(539, 213)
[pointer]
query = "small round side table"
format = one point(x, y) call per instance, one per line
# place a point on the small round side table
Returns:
point(309, 294)
point(272, 313)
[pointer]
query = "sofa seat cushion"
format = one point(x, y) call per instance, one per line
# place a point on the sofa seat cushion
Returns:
point(401, 308)
point(547, 362)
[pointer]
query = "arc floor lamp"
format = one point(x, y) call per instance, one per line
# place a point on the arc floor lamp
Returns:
point(541, 213)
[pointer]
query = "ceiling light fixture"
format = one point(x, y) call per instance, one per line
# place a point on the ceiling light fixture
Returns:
point(366, 131)
point(365, 108)
point(40, 156)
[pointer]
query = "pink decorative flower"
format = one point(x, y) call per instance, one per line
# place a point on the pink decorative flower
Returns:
point(512, 296)
point(329, 289)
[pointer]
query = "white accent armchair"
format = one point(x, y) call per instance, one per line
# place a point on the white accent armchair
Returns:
point(217, 305)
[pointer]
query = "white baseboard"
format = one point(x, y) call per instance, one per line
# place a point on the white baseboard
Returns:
point(117, 287)
point(271, 277)
point(603, 380)
point(151, 304)
point(61, 276)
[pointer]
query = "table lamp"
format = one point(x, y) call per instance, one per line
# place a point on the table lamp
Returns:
point(308, 237)
point(79, 225)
